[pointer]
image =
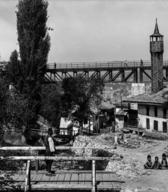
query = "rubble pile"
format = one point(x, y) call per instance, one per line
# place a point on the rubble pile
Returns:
point(125, 169)
point(132, 141)
point(91, 142)
point(128, 168)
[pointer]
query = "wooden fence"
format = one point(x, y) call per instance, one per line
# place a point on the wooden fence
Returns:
point(55, 158)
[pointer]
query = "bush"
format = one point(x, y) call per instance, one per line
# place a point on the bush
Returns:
point(11, 165)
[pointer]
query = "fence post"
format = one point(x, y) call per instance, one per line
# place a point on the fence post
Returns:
point(28, 177)
point(93, 176)
point(37, 165)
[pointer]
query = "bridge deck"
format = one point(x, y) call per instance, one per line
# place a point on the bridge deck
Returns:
point(69, 180)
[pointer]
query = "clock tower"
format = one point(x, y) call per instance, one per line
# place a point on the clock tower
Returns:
point(156, 50)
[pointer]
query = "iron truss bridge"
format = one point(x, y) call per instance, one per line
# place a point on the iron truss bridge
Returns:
point(114, 71)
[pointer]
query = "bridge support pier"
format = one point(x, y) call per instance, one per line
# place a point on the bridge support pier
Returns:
point(74, 74)
point(122, 75)
point(111, 75)
point(135, 75)
point(141, 75)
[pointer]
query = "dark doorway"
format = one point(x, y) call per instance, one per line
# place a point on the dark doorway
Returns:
point(147, 123)
point(155, 125)
point(164, 127)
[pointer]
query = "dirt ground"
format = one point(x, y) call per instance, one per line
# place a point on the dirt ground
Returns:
point(130, 168)
point(148, 180)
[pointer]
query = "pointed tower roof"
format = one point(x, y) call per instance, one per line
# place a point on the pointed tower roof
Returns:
point(156, 31)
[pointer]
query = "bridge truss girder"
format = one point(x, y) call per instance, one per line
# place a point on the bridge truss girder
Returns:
point(127, 74)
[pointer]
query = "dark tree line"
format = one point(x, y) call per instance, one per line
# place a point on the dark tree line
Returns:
point(26, 70)
point(27, 73)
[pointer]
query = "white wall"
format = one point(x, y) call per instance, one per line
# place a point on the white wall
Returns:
point(142, 122)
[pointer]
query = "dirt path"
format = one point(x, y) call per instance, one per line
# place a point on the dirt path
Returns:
point(131, 167)
point(150, 180)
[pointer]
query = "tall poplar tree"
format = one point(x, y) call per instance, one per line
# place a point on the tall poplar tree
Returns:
point(34, 44)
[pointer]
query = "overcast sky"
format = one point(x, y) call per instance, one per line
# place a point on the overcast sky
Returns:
point(93, 30)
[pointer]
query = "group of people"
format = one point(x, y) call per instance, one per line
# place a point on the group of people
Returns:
point(157, 164)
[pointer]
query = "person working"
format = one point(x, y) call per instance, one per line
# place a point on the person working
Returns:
point(50, 150)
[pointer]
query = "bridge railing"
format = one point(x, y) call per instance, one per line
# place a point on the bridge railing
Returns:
point(89, 65)
point(27, 186)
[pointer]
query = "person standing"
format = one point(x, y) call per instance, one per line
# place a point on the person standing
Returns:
point(50, 150)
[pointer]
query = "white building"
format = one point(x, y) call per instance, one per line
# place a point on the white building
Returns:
point(152, 110)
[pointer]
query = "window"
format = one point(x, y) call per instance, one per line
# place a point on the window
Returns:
point(155, 125)
point(156, 112)
point(164, 113)
point(164, 127)
point(147, 110)
point(147, 123)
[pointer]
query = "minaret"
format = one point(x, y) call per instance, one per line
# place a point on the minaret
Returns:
point(156, 50)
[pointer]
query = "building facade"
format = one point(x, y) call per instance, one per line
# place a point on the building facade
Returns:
point(153, 107)
point(153, 117)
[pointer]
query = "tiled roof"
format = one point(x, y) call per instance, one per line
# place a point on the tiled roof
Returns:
point(153, 98)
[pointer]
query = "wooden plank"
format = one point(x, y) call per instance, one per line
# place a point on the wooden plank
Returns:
point(58, 171)
point(56, 178)
point(37, 177)
point(70, 178)
point(101, 176)
point(98, 177)
point(42, 148)
point(45, 177)
point(109, 187)
point(40, 177)
point(61, 178)
point(74, 178)
point(48, 187)
point(65, 158)
point(88, 179)
point(33, 177)
point(52, 177)
point(82, 178)
point(67, 177)
point(64, 177)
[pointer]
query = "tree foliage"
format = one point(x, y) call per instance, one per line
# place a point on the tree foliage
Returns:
point(34, 41)
point(51, 106)
point(82, 92)
point(3, 101)
point(34, 44)
point(13, 69)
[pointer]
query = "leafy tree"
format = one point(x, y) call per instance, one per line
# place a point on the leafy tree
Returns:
point(51, 106)
point(34, 43)
point(82, 92)
point(13, 69)
point(3, 103)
